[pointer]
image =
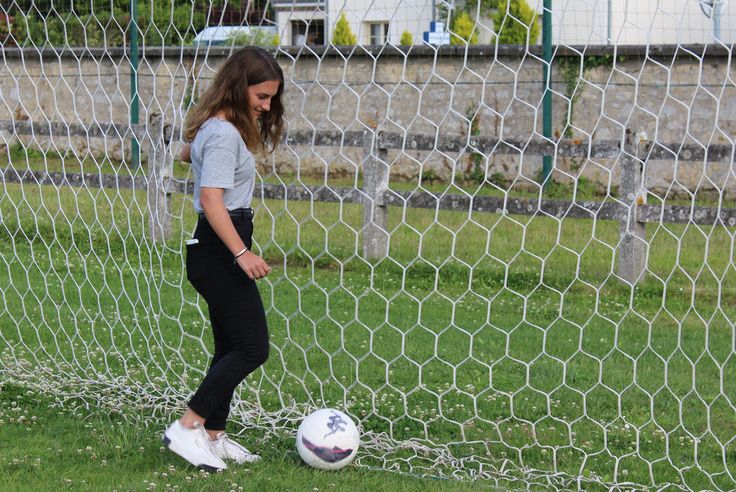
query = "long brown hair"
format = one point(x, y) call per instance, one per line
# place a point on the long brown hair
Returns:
point(228, 94)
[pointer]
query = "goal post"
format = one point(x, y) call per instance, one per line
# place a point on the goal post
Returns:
point(479, 314)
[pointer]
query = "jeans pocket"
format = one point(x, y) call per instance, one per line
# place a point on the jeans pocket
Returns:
point(196, 262)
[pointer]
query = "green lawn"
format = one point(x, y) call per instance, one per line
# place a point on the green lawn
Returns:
point(501, 338)
point(50, 446)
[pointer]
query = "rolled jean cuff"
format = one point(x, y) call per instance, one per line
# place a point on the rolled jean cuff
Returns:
point(214, 425)
point(209, 424)
point(198, 409)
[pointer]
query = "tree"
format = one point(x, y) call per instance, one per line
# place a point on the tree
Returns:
point(463, 30)
point(343, 36)
point(484, 8)
point(514, 26)
point(406, 39)
point(490, 5)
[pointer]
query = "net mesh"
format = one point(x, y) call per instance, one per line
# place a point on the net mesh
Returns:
point(490, 293)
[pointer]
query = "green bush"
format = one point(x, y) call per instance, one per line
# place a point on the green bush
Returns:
point(101, 29)
point(162, 25)
point(107, 25)
point(158, 22)
point(32, 30)
point(256, 37)
point(406, 39)
point(514, 26)
point(343, 36)
point(463, 30)
point(6, 28)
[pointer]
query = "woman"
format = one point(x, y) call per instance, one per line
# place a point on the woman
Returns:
point(240, 112)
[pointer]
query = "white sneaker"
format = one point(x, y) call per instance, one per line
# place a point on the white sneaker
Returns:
point(227, 449)
point(193, 445)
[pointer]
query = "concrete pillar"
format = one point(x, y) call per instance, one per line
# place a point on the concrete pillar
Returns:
point(632, 249)
point(375, 183)
point(160, 164)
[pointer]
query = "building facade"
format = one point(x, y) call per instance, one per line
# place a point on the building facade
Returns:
point(312, 22)
point(575, 22)
point(580, 22)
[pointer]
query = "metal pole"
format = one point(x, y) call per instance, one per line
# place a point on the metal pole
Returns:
point(717, 19)
point(327, 36)
point(609, 34)
point(547, 97)
point(134, 102)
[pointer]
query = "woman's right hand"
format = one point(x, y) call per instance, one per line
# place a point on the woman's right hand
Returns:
point(253, 265)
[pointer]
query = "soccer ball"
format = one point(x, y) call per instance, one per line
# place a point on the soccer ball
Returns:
point(327, 439)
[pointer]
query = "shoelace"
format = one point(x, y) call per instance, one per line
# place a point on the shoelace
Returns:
point(226, 444)
point(203, 440)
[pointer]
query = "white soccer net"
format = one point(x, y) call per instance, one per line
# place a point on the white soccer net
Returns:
point(480, 309)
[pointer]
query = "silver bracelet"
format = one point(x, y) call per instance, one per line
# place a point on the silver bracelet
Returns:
point(240, 253)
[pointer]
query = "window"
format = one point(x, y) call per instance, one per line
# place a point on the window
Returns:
point(378, 32)
point(307, 32)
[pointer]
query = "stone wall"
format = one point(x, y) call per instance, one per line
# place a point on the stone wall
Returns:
point(669, 94)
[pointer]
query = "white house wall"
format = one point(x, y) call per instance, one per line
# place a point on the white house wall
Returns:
point(407, 15)
point(637, 22)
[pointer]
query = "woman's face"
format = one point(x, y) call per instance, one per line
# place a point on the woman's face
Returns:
point(260, 95)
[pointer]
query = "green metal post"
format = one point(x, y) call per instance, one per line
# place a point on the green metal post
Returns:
point(134, 102)
point(547, 97)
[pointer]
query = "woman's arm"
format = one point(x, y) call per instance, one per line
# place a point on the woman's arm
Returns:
point(186, 153)
point(214, 209)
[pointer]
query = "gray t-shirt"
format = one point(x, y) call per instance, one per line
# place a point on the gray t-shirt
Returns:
point(221, 160)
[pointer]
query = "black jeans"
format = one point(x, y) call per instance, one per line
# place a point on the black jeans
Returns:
point(237, 316)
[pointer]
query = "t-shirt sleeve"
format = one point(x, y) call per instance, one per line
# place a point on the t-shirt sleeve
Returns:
point(219, 160)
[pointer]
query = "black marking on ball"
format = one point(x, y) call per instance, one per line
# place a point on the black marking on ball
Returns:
point(330, 455)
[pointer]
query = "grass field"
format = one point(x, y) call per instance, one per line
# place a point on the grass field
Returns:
point(48, 447)
point(502, 337)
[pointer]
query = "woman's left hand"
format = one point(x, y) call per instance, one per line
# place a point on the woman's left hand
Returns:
point(253, 265)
